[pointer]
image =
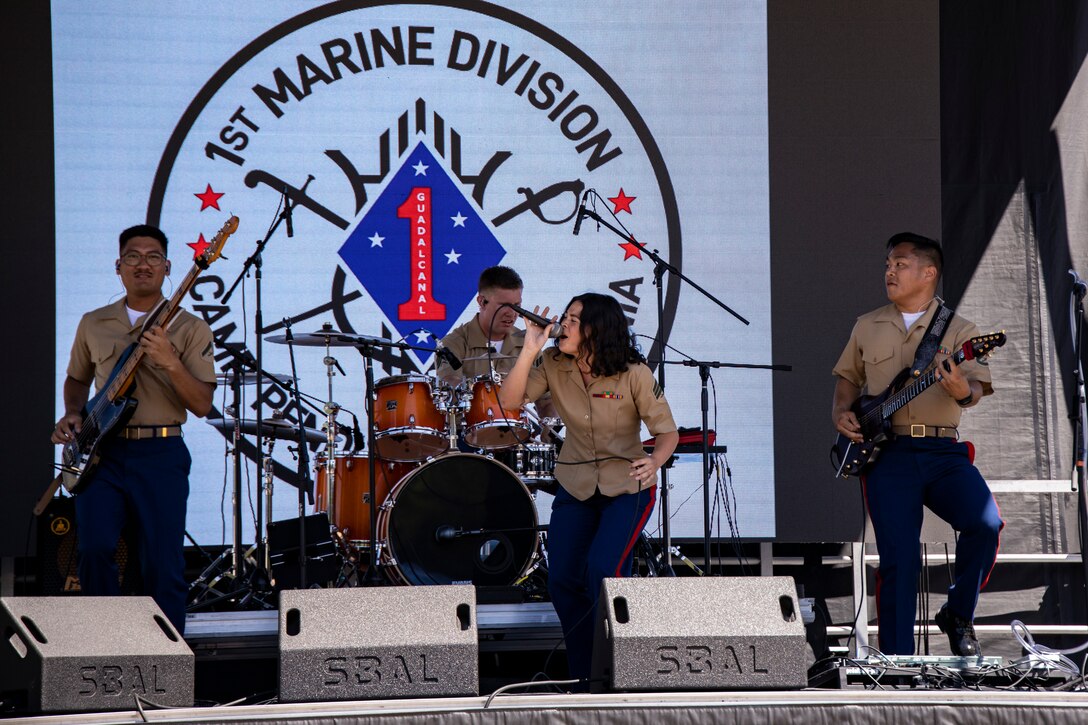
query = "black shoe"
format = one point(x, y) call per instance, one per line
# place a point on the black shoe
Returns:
point(960, 631)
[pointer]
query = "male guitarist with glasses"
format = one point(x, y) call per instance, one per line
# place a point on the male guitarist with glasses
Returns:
point(142, 477)
point(923, 463)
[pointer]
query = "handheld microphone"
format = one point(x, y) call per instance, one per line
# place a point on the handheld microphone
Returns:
point(581, 213)
point(554, 328)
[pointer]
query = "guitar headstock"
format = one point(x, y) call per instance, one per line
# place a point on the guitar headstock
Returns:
point(215, 246)
point(981, 346)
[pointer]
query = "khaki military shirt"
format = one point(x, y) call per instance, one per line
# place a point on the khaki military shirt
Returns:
point(603, 420)
point(104, 334)
point(469, 340)
point(880, 347)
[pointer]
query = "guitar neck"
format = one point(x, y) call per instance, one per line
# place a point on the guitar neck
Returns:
point(162, 315)
point(910, 392)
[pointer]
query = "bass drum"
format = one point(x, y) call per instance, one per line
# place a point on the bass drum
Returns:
point(461, 518)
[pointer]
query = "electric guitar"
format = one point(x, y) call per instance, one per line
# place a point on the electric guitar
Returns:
point(109, 410)
point(874, 412)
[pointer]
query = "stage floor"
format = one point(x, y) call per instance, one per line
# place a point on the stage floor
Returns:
point(684, 708)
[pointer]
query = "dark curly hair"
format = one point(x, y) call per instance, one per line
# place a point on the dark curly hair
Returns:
point(607, 340)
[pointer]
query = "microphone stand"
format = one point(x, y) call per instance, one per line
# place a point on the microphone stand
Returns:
point(255, 261)
point(660, 267)
point(704, 374)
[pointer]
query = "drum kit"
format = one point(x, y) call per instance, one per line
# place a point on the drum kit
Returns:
point(445, 490)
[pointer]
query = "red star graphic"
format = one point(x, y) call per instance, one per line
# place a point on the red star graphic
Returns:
point(622, 202)
point(199, 246)
point(211, 199)
point(631, 248)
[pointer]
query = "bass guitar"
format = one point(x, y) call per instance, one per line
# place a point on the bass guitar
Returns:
point(874, 412)
point(110, 409)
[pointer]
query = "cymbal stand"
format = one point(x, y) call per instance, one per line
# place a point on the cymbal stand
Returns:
point(305, 487)
point(213, 573)
point(330, 409)
point(268, 479)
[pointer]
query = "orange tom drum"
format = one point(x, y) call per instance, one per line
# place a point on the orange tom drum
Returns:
point(408, 425)
point(352, 511)
point(487, 424)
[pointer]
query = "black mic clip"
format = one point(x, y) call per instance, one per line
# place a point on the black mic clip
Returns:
point(581, 212)
point(446, 354)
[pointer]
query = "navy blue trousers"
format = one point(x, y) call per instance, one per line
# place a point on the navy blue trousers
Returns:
point(937, 473)
point(144, 483)
point(588, 541)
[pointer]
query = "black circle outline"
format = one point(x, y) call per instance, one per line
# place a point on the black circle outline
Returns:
point(263, 41)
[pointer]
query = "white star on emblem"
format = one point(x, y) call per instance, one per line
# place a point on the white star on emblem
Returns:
point(421, 168)
point(422, 336)
point(459, 221)
point(376, 240)
point(452, 256)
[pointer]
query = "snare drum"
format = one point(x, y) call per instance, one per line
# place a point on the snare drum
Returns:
point(461, 518)
point(352, 511)
point(533, 462)
point(408, 425)
point(487, 424)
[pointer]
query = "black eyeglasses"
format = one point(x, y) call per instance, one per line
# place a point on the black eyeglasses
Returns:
point(153, 259)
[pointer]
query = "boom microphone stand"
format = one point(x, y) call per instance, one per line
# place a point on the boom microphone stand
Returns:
point(704, 374)
point(255, 261)
point(660, 267)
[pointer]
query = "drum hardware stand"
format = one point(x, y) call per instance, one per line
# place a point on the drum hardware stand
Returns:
point(658, 349)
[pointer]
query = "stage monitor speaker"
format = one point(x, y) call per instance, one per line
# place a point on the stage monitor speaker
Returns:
point(699, 634)
point(322, 562)
point(383, 642)
point(78, 654)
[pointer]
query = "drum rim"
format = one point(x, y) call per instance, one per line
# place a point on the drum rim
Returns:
point(406, 378)
point(386, 432)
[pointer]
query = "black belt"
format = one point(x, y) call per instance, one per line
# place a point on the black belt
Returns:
point(140, 432)
point(925, 431)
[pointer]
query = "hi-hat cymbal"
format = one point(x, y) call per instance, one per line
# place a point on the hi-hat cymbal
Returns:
point(272, 428)
point(249, 378)
point(494, 356)
point(331, 338)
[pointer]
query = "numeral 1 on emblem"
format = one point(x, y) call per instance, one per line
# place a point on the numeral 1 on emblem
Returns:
point(422, 305)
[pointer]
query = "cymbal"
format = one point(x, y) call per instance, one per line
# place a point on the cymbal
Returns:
point(249, 378)
point(272, 427)
point(331, 338)
point(494, 356)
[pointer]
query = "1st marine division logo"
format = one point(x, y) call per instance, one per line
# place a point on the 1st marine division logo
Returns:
point(417, 144)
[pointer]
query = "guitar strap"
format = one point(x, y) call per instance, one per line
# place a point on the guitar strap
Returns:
point(927, 348)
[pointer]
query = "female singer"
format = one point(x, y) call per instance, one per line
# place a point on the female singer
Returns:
point(603, 391)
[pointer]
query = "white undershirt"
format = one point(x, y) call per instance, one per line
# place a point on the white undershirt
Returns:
point(133, 315)
point(910, 318)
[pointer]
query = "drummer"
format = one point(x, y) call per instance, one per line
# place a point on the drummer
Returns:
point(604, 391)
point(490, 333)
point(491, 329)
